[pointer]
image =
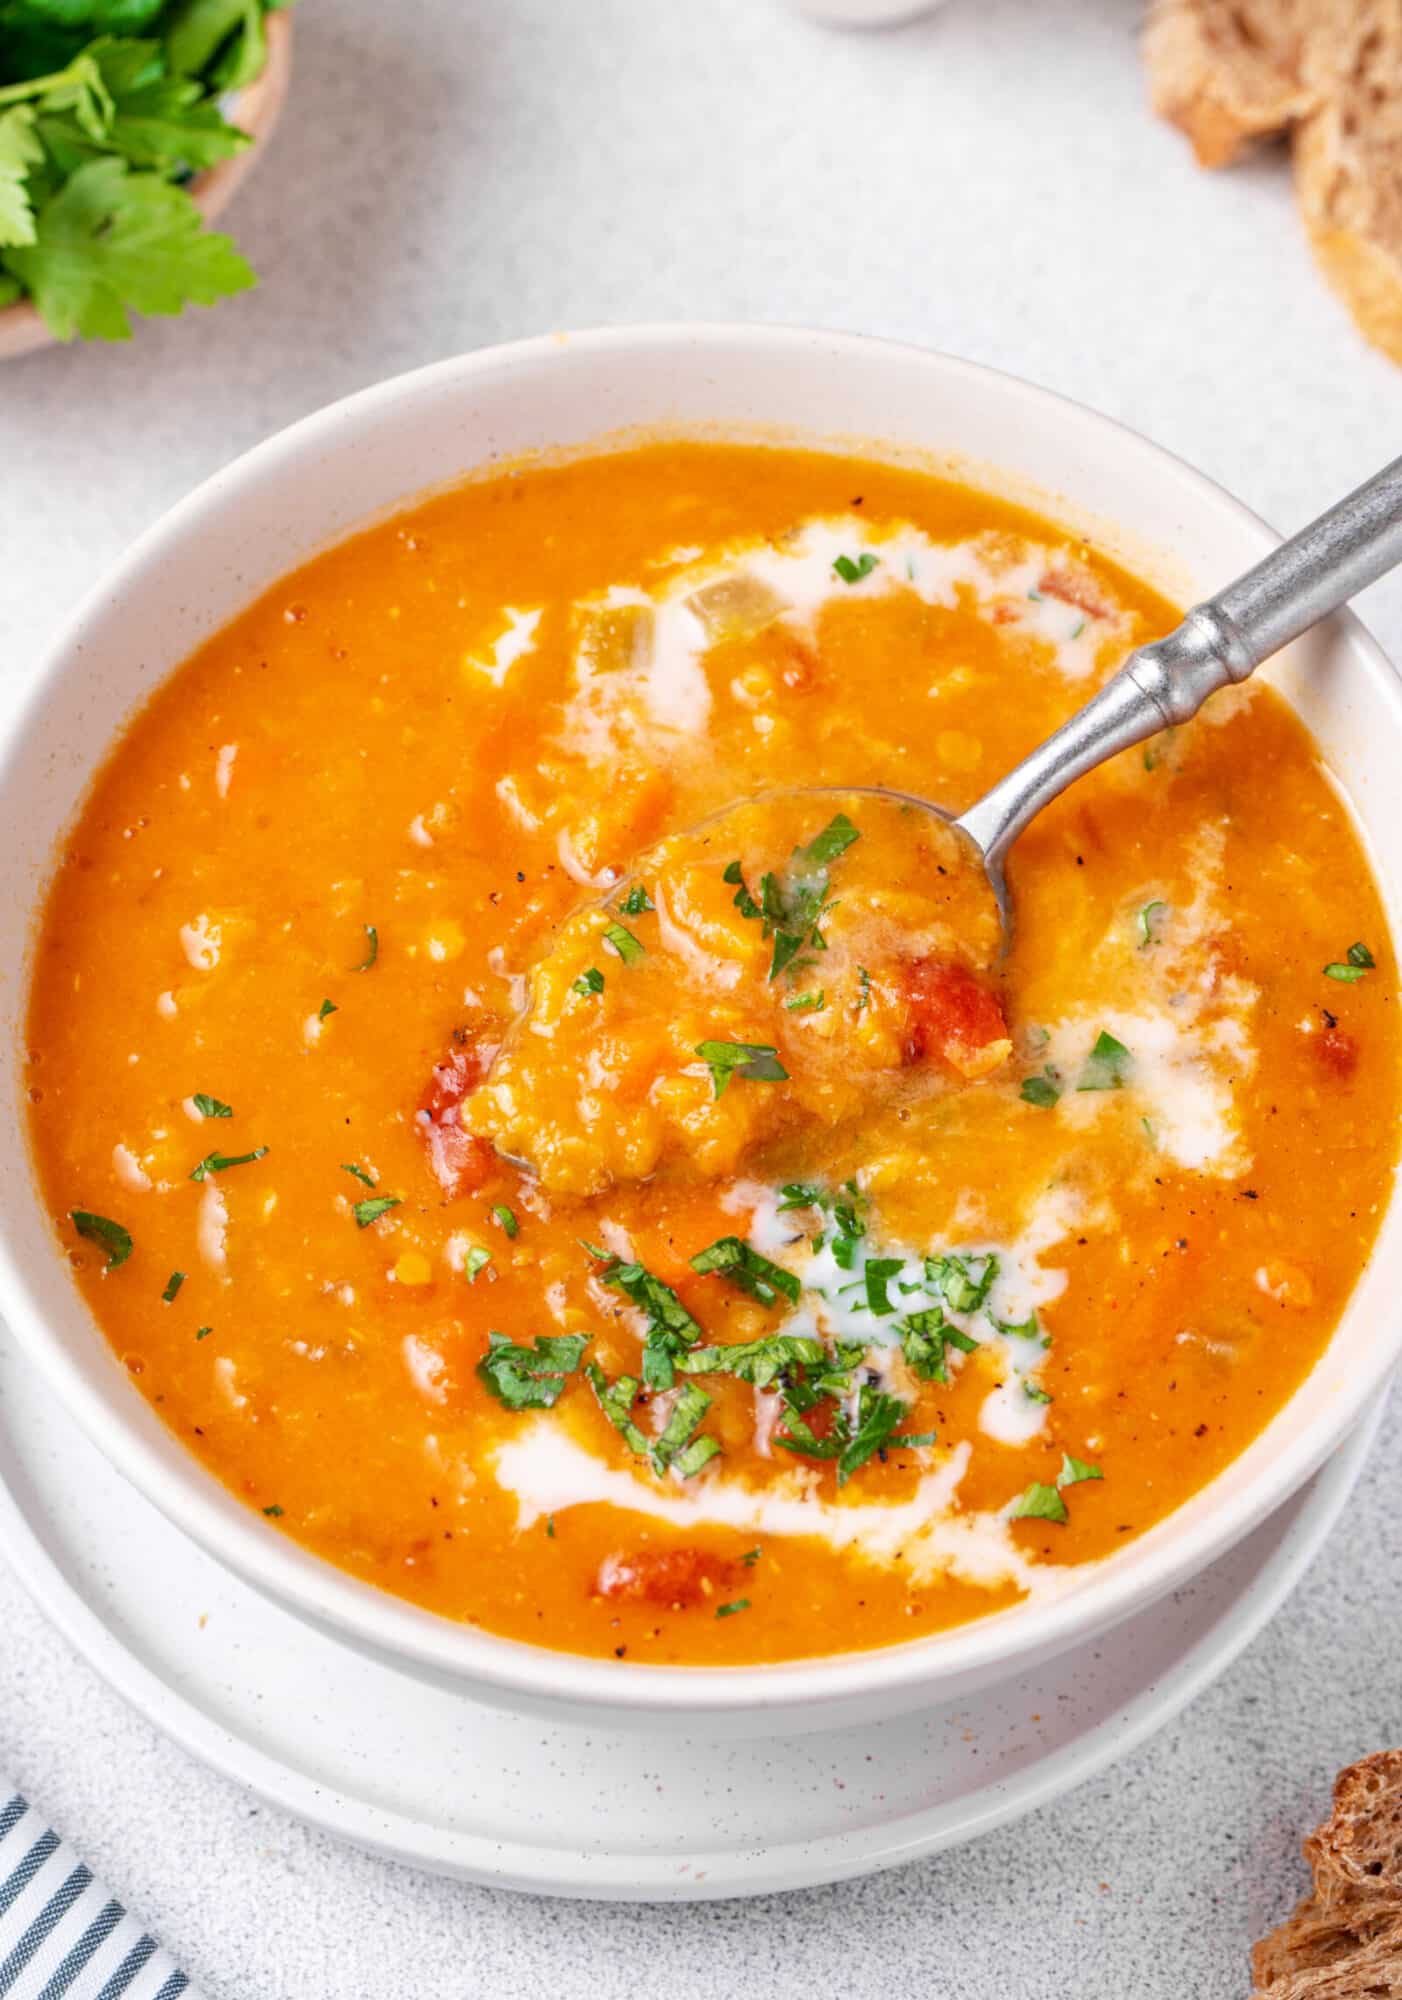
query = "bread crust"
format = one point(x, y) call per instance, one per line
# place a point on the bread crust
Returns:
point(1344, 1940)
point(1228, 73)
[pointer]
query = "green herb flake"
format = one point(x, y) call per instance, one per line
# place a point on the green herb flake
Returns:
point(925, 1338)
point(683, 1421)
point(758, 1362)
point(637, 902)
point(373, 940)
point(202, 1332)
point(1035, 1393)
point(550, 1526)
point(1108, 1065)
point(622, 940)
point(530, 1378)
point(366, 1212)
point(877, 1274)
point(475, 1259)
point(1359, 960)
point(835, 839)
point(1044, 1091)
point(173, 1284)
point(211, 1107)
point(366, 1180)
point(963, 1282)
point(616, 1400)
point(273, 1513)
point(108, 1235)
point(863, 989)
point(853, 571)
point(1075, 1470)
point(690, 1459)
point(732, 1258)
point(1038, 1503)
point(729, 1610)
point(326, 1007)
point(878, 1414)
point(753, 1062)
point(1149, 920)
point(588, 983)
point(218, 1163)
point(751, 1557)
point(505, 1218)
point(807, 1003)
point(671, 1330)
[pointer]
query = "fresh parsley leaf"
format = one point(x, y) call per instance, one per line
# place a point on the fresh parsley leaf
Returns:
point(202, 1332)
point(802, 1194)
point(878, 1414)
point(505, 1218)
point(807, 1003)
point(211, 1107)
point(1107, 1066)
point(217, 1163)
point(616, 1400)
point(366, 1212)
point(530, 1378)
point(1359, 954)
point(731, 1257)
point(173, 1284)
point(1035, 1393)
point(1148, 924)
point(877, 1274)
point(20, 151)
point(111, 241)
point(755, 1062)
point(963, 1282)
point(1043, 1090)
point(729, 1610)
point(274, 1513)
point(326, 1007)
point(925, 1337)
point(743, 900)
point(588, 983)
point(835, 839)
point(671, 1330)
point(622, 940)
point(690, 1459)
point(1038, 1503)
point(366, 1180)
point(1024, 1329)
point(637, 902)
point(751, 1557)
point(853, 572)
point(1074, 1470)
point(372, 937)
point(684, 1420)
point(108, 1235)
point(1358, 961)
point(475, 1259)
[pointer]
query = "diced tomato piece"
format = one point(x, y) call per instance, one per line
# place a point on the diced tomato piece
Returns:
point(1338, 1051)
point(676, 1577)
point(1074, 587)
point(953, 1015)
point(460, 1162)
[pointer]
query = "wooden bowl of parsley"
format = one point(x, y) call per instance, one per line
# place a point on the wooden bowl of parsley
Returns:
point(125, 126)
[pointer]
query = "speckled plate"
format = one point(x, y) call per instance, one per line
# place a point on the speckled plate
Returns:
point(438, 1781)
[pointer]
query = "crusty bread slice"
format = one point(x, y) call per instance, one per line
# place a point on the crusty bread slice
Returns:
point(1228, 72)
point(1348, 163)
point(1344, 1940)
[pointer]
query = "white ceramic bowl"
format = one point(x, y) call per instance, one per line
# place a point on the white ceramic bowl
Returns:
point(271, 509)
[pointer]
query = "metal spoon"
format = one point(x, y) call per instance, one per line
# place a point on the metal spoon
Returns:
point(1222, 640)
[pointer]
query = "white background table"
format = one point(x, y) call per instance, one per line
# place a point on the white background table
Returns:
point(988, 181)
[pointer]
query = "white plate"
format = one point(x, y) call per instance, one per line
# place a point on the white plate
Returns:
point(434, 1779)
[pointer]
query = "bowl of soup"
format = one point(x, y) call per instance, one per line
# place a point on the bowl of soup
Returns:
point(534, 1160)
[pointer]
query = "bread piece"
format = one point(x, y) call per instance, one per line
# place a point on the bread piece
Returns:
point(1229, 72)
point(1359, 1846)
point(1348, 162)
point(1316, 1937)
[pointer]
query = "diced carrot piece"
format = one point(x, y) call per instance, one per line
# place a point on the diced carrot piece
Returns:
point(676, 1577)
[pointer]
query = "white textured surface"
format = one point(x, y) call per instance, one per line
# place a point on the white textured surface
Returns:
point(985, 181)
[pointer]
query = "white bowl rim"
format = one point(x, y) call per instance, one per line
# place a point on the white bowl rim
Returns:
point(505, 1668)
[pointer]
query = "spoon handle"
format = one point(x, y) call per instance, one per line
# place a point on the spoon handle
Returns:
point(1223, 640)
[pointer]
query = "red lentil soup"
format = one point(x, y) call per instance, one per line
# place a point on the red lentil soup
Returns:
point(703, 1245)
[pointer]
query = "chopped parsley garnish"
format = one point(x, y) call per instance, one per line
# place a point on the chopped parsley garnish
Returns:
point(1148, 924)
point(790, 907)
point(836, 837)
point(616, 1400)
point(853, 571)
point(550, 1526)
point(622, 940)
point(211, 1107)
point(1043, 1090)
point(1035, 1393)
point(690, 1459)
point(366, 1180)
point(505, 1218)
point(863, 989)
point(1024, 1329)
point(877, 1417)
point(1358, 961)
point(671, 1330)
point(759, 1362)
point(731, 1257)
point(373, 938)
point(1107, 1066)
point(754, 1062)
point(1074, 1470)
point(216, 1163)
point(202, 1331)
point(729, 1610)
point(1038, 1503)
point(326, 1007)
point(751, 1557)
point(685, 1420)
point(803, 1194)
point(963, 1282)
point(637, 902)
point(588, 983)
point(173, 1284)
point(530, 1378)
point(108, 1235)
point(849, 1228)
point(475, 1259)
point(925, 1336)
point(807, 1003)
point(878, 1273)
point(744, 902)
point(366, 1212)
point(274, 1513)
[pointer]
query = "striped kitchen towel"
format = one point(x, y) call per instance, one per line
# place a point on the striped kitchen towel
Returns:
point(61, 1934)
